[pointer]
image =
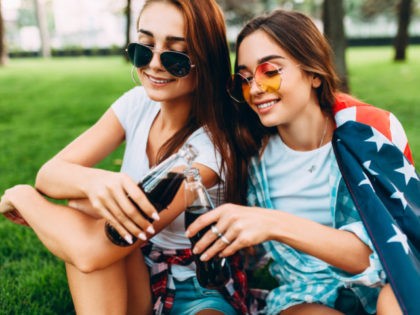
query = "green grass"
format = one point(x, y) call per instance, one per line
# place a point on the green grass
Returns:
point(44, 104)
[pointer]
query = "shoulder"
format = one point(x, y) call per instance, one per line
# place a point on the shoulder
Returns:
point(348, 108)
point(133, 105)
point(132, 100)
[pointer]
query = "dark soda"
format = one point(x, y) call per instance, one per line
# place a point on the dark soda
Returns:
point(214, 273)
point(160, 197)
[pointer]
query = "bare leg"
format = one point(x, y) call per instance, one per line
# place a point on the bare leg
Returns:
point(100, 292)
point(138, 283)
point(310, 309)
point(387, 302)
point(71, 235)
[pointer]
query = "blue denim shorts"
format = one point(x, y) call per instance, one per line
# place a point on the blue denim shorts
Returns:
point(191, 298)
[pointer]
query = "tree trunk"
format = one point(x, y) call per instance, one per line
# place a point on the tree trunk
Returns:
point(401, 40)
point(3, 47)
point(41, 16)
point(128, 25)
point(333, 16)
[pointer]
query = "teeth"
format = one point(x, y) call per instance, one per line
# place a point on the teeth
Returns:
point(266, 105)
point(158, 81)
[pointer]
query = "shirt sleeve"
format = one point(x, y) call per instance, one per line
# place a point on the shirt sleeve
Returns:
point(373, 275)
point(126, 107)
point(207, 153)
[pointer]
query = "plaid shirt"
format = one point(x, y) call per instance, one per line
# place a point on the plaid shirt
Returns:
point(235, 291)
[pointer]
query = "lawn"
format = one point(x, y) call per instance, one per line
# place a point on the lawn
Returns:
point(44, 104)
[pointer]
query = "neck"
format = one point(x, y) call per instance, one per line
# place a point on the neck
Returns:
point(308, 133)
point(173, 117)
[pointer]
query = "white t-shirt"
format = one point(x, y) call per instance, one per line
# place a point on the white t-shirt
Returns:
point(136, 113)
point(295, 189)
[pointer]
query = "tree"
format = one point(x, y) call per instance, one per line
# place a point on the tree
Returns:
point(127, 12)
point(41, 16)
point(333, 16)
point(3, 48)
point(401, 40)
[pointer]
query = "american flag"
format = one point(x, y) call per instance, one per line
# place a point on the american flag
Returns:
point(385, 188)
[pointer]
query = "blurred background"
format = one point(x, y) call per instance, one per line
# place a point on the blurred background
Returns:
point(104, 27)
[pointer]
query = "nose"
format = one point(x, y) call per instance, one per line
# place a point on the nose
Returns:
point(155, 63)
point(254, 87)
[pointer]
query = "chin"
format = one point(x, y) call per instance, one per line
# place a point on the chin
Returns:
point(269, 122)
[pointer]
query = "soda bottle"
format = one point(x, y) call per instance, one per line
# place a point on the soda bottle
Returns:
point(214, 273)
point(160, 186)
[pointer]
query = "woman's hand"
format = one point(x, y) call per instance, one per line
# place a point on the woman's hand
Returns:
point(239, 227)
point(114, 196)
point(8, 209)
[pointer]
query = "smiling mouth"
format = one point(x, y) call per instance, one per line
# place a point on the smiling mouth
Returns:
point(158, 81)
point(267, 105)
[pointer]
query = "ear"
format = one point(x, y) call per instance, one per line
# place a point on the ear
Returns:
point(316, 82)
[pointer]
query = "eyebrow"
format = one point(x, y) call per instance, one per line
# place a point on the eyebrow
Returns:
point(262, 60)
point(168, 38)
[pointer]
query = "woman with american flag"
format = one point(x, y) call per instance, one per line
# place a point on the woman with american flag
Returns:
point(333, 196)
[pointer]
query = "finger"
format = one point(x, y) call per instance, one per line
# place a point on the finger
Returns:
point(222, 242)
point(16, 217)
point(204, 239)
point(235, 246)
point(128, 225)
point(202, 221)
point(139, 198)
point(131, 217)
point(108, 215)
point(5, 206)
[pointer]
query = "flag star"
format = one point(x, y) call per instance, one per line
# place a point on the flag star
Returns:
point(367, 166)
point(377, 138)
point(399, 195)
point(366, 181)
point(400, 237)
point(408, 171)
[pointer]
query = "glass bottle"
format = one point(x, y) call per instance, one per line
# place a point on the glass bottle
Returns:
point(160, 186)
point(214, 273)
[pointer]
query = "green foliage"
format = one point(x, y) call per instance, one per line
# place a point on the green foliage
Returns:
point(376, 79)
point(44, 104)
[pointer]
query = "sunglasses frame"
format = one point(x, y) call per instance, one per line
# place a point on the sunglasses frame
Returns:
point(179, 73)
point(249, 81)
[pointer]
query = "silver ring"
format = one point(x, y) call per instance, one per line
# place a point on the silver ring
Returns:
point(224, 239)
point(215, 230)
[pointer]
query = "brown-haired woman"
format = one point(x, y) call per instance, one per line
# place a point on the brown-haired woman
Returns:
point(286, 88)
point(182, 60)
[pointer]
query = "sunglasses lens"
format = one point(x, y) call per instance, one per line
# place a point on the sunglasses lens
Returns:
point(139, 55)
point(267, 77)
point(175, 63)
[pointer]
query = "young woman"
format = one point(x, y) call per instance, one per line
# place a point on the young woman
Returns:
point(319, 247)
point(182, 60)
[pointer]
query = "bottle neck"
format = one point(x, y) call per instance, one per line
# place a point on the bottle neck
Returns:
point(192, 175)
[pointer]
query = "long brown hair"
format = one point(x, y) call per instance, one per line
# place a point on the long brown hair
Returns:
point(211, 106)
point(299, 37)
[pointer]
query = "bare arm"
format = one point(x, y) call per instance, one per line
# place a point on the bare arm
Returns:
point(70, 175)
point(247, 226)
